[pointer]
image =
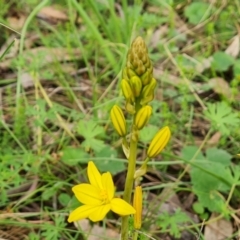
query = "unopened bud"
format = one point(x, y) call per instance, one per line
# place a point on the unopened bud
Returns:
point(159, 141)
point(118, 120)
point(137, 204)
point(127, 90)
point(130, 108)
point(136, 85)
point(124, 74)
point(146, 77)
point(142, 116)
point(148, 92)
point(130, 72)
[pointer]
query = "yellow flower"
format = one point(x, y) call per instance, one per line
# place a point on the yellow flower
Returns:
point(159, 141)
point(98, 197)
point(137, 204)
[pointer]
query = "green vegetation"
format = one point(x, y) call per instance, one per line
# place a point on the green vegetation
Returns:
point(60, 74)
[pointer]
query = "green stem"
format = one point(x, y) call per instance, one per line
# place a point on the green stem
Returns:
point(135, 235)
point(129, 181)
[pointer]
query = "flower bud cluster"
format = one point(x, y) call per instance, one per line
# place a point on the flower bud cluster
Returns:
point(137, 83)
point(138, 86)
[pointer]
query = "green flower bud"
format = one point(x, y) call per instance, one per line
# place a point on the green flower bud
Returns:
point(130, 108)
point(136, 85)
point(159, 141)
point(130, 72)
point(127, 90)
point(148, 92)
point(142, 116)
point(124, 74)
point(147, 76)
point(118, 120)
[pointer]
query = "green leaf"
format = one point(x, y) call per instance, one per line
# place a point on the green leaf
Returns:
point(95, 144)
point(219, 156)
point(147, 133)
point(198, 208)
point(221, 117)
point(73, 156)
point(89, 129)
point(222, 61)
point(107, 163)
point(209, 176)
point(171, 222)
point(236, 68)
point(51, 191)
point(64, 199)
point(197, 12)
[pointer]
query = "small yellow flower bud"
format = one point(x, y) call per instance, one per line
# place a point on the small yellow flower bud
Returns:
point(118, 120)
point(148, 92)
point(136, 85)
point(137, 204)
point(159, 141)
point(127, 90)
point(143, 116)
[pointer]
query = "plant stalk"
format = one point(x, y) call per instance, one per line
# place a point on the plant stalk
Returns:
point(129, 182)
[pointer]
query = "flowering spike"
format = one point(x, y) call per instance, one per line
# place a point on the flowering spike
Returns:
point(127, 90)
point(136, 85)
point(118, 120)
point(159, 142)
point(143, 116)
point(137, 204)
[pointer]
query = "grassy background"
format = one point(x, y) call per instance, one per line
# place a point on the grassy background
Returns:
point(58, 82)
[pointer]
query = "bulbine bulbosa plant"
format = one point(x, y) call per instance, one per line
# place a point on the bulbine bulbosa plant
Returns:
point(97, 197)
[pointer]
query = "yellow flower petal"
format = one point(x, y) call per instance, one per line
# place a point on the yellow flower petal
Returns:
point(87, 194)
point(81, 212)
point(100, 213)
point(94, 176)
point(121, 207)
point(107, 182)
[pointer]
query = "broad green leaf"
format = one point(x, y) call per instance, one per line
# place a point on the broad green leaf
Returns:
point(198, 208)
point(72, 156)
point(197, 12)
point(236, 68)
point(64, 199)
point(108, 162)
point(210, 175)
point(147, 133)
point(222, 61)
